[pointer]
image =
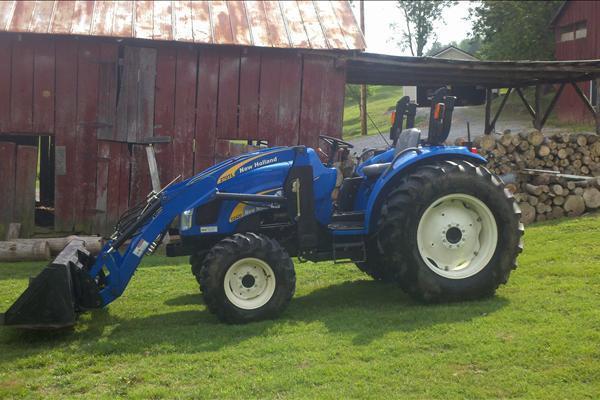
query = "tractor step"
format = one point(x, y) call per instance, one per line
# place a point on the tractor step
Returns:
point(353, 250)
point(346, 221)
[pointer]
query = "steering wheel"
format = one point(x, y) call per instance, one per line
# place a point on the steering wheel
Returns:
point(334, 145)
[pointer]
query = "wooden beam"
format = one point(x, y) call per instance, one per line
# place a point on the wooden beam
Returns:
point(493, 123)
point(584, 98)
point(598, 106)
point(552, 104)
point(526, 103)
point(537, 120)
point(488, 110)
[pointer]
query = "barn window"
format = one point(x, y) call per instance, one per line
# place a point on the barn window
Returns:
point(573, 32)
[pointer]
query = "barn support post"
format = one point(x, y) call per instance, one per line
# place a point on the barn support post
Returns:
point(537, 119)
point(363, 87)
point(526, 103)
point(497, 115)
point(588, 104)
point(488, 128)
point(552, 104)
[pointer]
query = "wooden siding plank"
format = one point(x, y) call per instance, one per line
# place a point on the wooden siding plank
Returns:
point(201, 25)
point(22, 15)
point(5, 81)
point(144, 20)
point(65, 128)
point(146, 90)
point(182, 12)
point(82, 17)
point(7, 183)
point(139, 185)
point(163, 25)
point(21, 102)
point(249, 94)
point(107, 91)
point(123, 19)
point(345, 18)
point(86, 150)
point(63, 17)
point(312, 25)
point(289, 99)
point(329, 23)
point(6, 13)
point(313, 76)
point(102, 177)
point(43, 86)
point(333, 99)
point(227, 114)
point(206, 117)
point(294, 24)
point(103, 18)
point(270, 77)
point(164, 107)
point(25, 174)
point(185, 111)
point(40, 19)
point(221, 23)
point(127, 106)
point(258, 23)
point(277, 30)
point(239, 23)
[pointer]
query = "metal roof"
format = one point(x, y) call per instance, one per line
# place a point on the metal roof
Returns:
point(284, 24)
point(379, 69)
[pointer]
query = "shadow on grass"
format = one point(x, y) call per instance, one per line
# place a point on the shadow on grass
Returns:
point(363, 310)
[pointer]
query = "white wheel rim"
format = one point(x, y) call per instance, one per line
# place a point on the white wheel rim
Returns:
point(457, 236)
point(249, 283)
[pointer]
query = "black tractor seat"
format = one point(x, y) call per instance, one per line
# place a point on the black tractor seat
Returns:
point(374, 170)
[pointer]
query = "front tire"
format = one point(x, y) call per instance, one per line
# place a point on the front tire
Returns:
point(451, 232)
point(247, 277)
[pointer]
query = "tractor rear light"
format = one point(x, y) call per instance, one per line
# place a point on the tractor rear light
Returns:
point(185, 221)
point(474, 150)
point(392, 117)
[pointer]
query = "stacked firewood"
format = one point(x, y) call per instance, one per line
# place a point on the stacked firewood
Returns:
point(550, 176)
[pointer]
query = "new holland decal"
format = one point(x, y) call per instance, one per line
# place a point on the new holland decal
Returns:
point(242, 210)
point(248, 165)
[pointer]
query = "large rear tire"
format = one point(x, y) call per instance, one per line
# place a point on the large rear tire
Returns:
point(374, 265)
point(451, 232)
point(247, 277)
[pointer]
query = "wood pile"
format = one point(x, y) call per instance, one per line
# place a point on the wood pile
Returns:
point(569, 187)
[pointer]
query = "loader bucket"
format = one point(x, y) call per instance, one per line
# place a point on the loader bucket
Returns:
point(58, 293)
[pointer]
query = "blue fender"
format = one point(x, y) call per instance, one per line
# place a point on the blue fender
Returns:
point(425, 154)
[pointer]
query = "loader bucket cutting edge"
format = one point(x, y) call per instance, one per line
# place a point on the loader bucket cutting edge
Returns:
point(55, 296)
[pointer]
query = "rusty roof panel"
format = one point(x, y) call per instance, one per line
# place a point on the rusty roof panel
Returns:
point(295, 24)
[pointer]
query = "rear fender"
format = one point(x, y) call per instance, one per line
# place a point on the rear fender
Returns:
point(405, 164)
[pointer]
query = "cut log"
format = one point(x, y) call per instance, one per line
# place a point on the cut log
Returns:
point(543, 151)
point(574, 205)
point(487, 143)
point(535, 138)
point(16, 251)
point(527, 213)
point(557, 212)
point(557, 189)
point(93, 244)
point(533, 189)
point(591, 197)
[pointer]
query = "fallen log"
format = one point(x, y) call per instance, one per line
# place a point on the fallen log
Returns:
point(16, 251)
point(92, 243)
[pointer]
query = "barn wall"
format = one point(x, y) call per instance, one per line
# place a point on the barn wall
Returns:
point(204, 97)
point(569, 107)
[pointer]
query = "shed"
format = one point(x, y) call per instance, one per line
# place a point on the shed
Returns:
point(83, 82)
point(577, 37)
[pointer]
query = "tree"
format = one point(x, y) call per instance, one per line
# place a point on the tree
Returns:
point(514, 30)
point(419, 17)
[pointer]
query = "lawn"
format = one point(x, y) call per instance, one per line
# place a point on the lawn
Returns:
point(343, 336)
point(380, 100)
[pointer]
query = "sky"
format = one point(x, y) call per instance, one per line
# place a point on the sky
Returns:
point(380, 14)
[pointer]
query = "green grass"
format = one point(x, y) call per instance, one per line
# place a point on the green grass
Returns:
point(343, 336)
point(380, 101)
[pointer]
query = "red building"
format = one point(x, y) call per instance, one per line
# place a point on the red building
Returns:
point(81, 82)
point(577, 35)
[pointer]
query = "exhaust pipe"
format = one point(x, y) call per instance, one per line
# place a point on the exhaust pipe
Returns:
point(59, 293)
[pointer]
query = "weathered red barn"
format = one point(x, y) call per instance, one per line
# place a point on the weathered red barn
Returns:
point(577, 36)
point(81, 82)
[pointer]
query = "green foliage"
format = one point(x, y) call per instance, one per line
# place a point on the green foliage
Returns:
point(515, 30)
point(419, 17)
point(380, 100)
point(343, 336)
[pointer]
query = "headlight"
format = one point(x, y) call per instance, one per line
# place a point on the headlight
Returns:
point(186, 220)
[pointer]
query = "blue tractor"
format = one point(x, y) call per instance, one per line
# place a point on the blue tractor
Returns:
point(428, 216)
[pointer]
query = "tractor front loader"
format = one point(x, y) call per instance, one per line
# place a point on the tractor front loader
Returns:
point(428, 216)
